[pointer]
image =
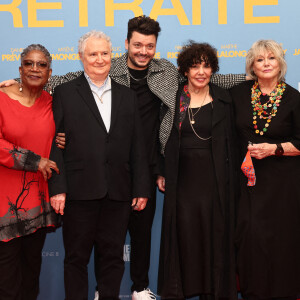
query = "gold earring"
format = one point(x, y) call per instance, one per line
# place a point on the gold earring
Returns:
point(49, 88)
point(21, 86)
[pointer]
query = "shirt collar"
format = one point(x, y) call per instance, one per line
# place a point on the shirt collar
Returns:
point(106, 86)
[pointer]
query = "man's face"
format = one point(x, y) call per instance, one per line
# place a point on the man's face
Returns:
point(96, 58)
point(141, 50)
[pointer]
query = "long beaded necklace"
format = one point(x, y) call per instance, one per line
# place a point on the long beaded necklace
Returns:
point(260, 110)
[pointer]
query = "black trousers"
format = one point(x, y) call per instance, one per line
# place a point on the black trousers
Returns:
point(20, 266)
point(102, 223)
point(139, 227)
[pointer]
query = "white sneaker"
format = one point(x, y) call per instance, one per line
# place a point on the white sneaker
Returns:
point(143, 295)
point(96, 295)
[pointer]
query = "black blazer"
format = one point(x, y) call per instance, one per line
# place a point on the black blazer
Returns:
point(96, 163)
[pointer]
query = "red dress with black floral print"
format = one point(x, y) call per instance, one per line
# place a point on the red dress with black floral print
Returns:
point(26, 134)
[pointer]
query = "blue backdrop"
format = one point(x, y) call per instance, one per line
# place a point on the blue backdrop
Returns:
point(230, 25)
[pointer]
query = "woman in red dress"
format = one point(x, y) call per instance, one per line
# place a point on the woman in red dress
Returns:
point(26, 133)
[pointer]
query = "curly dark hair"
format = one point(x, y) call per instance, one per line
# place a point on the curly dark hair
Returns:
point(144, 25)
point(195, 53)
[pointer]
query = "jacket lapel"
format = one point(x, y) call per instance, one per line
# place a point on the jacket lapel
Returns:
point(218, 110)
point(86, 94)
point(218, 139)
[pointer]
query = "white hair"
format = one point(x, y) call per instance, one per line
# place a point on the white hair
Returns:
point(92, 34)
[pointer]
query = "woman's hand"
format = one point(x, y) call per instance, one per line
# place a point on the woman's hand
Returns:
point(60, 140)
point(45, 167)
point(161, 182)
point(260, 151)
point(8, 83)
point(58, 203)
point(139, 203)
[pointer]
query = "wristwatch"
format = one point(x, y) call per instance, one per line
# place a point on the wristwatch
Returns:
point(279, 150)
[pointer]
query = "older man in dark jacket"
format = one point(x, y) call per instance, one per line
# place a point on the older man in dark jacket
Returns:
point(104, 169)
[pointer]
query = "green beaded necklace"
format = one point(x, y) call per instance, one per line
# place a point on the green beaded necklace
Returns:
point(260, 110)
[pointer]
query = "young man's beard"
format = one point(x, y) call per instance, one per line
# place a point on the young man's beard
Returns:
point(136, 64)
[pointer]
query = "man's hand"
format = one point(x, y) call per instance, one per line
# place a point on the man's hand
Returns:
point(60, 140)
point(45, 167)
point(161, 183)
point(58, 203)
point(139, 203)
point(8, 83)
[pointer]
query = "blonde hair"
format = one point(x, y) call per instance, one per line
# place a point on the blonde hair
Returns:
point(261, 46)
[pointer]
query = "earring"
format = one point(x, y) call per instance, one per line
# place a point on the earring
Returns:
point(49, 88)
point(20, 84)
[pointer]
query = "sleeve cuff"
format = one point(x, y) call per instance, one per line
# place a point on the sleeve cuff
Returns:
point(296, 144)
point(32, 162)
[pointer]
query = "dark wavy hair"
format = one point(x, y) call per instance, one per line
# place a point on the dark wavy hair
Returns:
point(195, 53)
point(144, 25)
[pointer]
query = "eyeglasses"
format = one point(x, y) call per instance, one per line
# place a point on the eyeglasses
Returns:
point(29, 64)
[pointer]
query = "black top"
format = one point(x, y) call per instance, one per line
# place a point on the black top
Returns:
point(284, 127)
point(202, 127)
point(149, 106)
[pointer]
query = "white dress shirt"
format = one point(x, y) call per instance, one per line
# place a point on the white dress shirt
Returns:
point(102, 96)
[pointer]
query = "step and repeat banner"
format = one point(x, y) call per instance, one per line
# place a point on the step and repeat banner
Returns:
point(231, 26)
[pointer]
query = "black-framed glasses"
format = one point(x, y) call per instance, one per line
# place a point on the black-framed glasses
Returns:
point(29, 64)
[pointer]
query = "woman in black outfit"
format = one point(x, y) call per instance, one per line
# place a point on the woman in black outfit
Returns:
point(197, 257)
point(268, 230)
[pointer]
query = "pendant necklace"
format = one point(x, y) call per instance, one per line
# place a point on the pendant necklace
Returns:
point(197, 135)
point(192, 119)
point(190, 111)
